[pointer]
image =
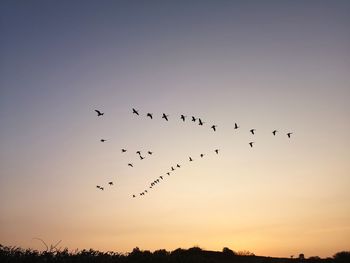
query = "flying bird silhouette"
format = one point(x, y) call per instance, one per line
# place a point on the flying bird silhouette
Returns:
point(99, 113)
point(138, 152)
point(103, 140)
point(135, 111)
point(123, 150)
point(133, 196)
point(183, 117)
point(172, 168)
point(141, 158)
point(252, 131)
point(193, 119)
point(202, 155)
point(165, 116)
point(161, 177)
point(214, 127)
point(274, 132)
point(200, 122)
point(168, 173)
point(217, 151)
point(178, 166)
point(251, 144)
point(150, 115)
point(130, 164)
point(110, 183)
point(149, 152)
point(191, 160)
point(236, 126)
point(289, 134)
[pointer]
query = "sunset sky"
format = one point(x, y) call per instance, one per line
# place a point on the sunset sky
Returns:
point(266, 65)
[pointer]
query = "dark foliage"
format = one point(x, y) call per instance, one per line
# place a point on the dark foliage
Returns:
point(342, 257)
point(194, 254)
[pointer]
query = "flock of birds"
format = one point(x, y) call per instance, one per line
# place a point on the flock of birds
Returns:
point(168, 173)
point(194, 119)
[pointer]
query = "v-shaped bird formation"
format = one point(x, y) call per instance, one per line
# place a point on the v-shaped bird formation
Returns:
point(145, 154)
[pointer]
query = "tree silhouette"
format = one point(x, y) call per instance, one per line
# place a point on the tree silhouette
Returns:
point(342, 257)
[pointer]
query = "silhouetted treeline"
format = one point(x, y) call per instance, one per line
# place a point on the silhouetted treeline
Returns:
point(194, 254)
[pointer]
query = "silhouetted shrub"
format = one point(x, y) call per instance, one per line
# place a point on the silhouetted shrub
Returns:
point(342, 257)
point(314, 259)
point(194, 250)
point(161, 253)
point(228, 252)
point(245, 253)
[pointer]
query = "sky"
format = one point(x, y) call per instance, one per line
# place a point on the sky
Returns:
point(265, 65)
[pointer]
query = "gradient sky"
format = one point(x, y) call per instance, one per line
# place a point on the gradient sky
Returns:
point(263, 64)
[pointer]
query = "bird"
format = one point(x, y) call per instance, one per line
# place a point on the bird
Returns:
point(190, 159)
point(103, 140)
point(97, 186)
point(252, 131)
point(102, 188)
point(217, 151)
point(149, 152)
point(110, 183)
point(168, 173)
point(200, 122)
point(150, 115)
point(135, 111)
point(183, 117)
point(202, 155)
point(274, 132)
point(193, 119)
point(146, 191)
point(123, 150)
point(130, 164)
point(289, 134)
point(236, 126)
point(133, 196)
point(251, 144)
point(138, 152)
point(161, 177)
point(99, 113)
point(178, 166)
point(165, 116)
point(141, 158)
point(214, 127)
point(172, 168)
